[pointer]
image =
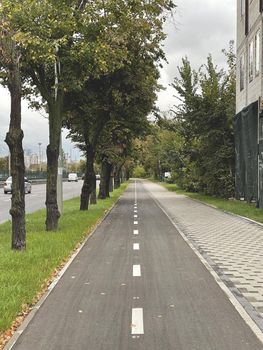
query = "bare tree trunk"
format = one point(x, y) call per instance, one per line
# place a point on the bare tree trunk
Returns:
point(14, 139)
point(88, 184)
point(55, 125)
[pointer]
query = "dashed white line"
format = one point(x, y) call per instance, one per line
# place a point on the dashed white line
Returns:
point(136, 270)
point(137, 321)
point(136, 246)
point(135, 222)
point(135, 232)
point(135, 211)
point(135, 216)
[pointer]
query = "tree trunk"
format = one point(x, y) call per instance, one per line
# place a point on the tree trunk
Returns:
point(88, 184)
point(14, 139)
point(103, 177)
point(117, 178)
point(93, 197)
point(55, 125)
point(108, 179)
point(111, 183)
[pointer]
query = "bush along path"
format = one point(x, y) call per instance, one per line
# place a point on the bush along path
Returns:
point(25, 277)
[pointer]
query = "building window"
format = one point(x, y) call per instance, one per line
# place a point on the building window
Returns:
point(243, 7)
point(242, 72)
point(257, 53)
point(250, 60)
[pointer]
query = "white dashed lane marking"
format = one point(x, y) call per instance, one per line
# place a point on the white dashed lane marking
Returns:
point(136, 246)
point(136, 271)
point(135, 232)
point(135, 222)
point(137, 321)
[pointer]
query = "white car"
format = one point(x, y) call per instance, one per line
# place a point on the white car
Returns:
point(8, 185)
point(72, 177)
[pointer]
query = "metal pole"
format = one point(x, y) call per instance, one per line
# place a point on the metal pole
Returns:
point(39, 154)
point(59, 178)
point(60, 163)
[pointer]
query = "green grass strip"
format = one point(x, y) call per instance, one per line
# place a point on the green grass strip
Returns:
point(24, 275)
point(232, 206)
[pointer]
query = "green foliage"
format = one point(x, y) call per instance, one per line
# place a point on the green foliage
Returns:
point(204, 120)
point(139, 171)
point(197, 144)
point(4, 164)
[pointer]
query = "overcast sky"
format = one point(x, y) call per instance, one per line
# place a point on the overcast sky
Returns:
point(199, 27)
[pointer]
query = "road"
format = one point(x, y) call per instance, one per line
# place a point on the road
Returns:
point(136, 285)
point(36, 200)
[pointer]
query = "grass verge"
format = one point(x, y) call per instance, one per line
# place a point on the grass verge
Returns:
point(232, 206)
point(24, 276)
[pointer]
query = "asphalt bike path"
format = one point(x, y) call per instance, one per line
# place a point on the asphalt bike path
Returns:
point(136, 284)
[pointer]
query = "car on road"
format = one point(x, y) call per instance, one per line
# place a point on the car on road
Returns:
point(72, 177)
point(8, 185)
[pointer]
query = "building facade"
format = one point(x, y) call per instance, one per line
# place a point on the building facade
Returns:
point(249, 52)
point(248, 122)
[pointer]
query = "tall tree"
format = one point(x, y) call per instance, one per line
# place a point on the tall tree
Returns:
point(10, 57)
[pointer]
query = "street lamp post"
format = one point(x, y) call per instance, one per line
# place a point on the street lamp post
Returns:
point(39, 155)
point(60, 162)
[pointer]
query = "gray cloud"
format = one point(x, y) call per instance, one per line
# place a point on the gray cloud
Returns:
point(200, 27)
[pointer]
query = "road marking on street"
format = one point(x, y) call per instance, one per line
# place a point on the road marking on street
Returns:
point(135, 211)
point(137, 321)
point(80, 311)
point(135, 222)
point(135, 192)
point(136, 246)
point(135, 216)
point(136, 270)
point(135, 232)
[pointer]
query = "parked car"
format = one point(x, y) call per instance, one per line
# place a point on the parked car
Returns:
point(72, 177)
point(8, 185)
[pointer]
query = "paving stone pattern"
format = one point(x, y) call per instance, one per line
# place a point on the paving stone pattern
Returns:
point(234, 244)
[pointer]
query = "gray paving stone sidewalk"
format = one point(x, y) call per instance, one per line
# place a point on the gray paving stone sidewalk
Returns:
point(235, 245)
